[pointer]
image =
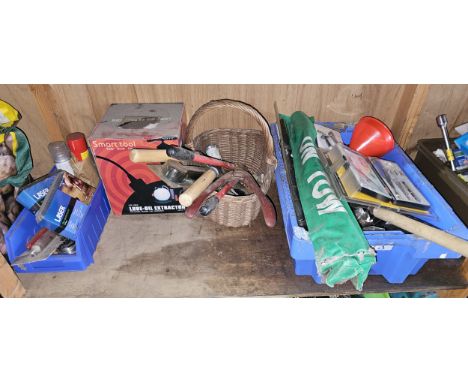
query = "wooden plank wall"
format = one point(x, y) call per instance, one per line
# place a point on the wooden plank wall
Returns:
point(50, 112)
point(441, 99)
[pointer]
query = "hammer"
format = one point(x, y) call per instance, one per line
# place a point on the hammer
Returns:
point(179, 153)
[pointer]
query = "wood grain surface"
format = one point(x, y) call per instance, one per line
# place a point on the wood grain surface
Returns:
point(172, 256)
point(60, 109)
point(441, 99)
point(53, 111)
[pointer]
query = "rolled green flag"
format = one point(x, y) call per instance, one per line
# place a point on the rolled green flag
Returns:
point(341, 250)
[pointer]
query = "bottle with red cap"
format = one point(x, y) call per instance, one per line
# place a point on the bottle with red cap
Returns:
point(84, 163)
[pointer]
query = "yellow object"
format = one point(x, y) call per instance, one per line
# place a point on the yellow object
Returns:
point(341, 171)
point(8, 114)
point(450, 156)
point(367, 198)
point(15, 141)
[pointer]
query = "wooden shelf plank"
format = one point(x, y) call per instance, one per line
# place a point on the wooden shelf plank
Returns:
point(172, 256)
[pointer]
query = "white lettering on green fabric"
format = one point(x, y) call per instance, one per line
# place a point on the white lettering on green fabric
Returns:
point(331, 203)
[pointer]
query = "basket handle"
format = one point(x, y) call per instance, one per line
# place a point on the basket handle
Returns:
point(234, 104)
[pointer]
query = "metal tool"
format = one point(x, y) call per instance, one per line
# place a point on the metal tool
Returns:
point(186, 155)
point(68, 247)
point(289, 169)
point(179, 153)
point(442, 122)
point(212, 202)
point(45, 243)
point(183, 154)
point(213, 151)
point(268, 209)
point(363, 217)
point(176, 174)
point(190, 194)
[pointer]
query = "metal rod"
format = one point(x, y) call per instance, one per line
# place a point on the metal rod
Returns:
point(442, 122)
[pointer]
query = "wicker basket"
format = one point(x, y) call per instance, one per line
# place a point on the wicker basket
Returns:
point(252, 148)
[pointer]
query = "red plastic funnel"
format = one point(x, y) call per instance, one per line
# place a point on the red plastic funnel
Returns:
point(372, 137)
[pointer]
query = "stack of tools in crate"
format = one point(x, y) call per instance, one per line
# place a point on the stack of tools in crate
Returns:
point(345, 207)
point(223, 174)
point(15, 167)
point(65, 213)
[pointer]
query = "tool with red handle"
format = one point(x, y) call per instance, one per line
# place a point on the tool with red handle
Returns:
point(190, 156)
point(212, 202)
point(193, 209)
point(179, 153)
point(268, 209)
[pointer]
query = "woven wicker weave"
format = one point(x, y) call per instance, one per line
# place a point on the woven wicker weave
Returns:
point(252, 148)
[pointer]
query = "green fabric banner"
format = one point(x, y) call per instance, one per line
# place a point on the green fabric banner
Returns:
point(341, 250)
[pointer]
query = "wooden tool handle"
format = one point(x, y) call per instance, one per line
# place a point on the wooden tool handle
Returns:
point(148, 156)
point(425, 231)
point(268, 209)
point(189, 195)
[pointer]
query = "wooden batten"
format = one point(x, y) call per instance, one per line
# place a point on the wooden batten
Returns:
point(49, 109)
point(409, 109)
point(10, 285)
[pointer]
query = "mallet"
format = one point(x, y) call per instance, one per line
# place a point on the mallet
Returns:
point(427, 232)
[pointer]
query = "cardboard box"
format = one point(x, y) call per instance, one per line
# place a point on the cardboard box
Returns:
point(10, 285)
point(133, 188)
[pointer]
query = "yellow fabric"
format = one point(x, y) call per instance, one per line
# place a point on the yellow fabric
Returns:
point(9, 112)
point(15, 141)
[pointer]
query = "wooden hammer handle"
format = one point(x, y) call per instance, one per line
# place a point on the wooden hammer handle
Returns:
point(268, 209)
point(148, 156)
point(427, 232)
point(197, 187)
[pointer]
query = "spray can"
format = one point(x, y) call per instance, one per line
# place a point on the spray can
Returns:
point(84, 163)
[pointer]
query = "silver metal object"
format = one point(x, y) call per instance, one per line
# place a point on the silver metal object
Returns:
point(363, 217)
point(442, 122)
point(213, 151)
point(41, 250)
point(68, 247)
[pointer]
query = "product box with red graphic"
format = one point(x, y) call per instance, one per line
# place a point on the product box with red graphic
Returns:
point(134, 188)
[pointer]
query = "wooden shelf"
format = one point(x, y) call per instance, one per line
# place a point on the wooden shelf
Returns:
point(172, 256)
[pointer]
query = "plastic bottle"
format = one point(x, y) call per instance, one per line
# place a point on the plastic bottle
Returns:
point(62, 157)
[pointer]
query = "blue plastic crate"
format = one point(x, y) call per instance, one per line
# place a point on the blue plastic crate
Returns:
point(398, 254)
point(25, 226)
